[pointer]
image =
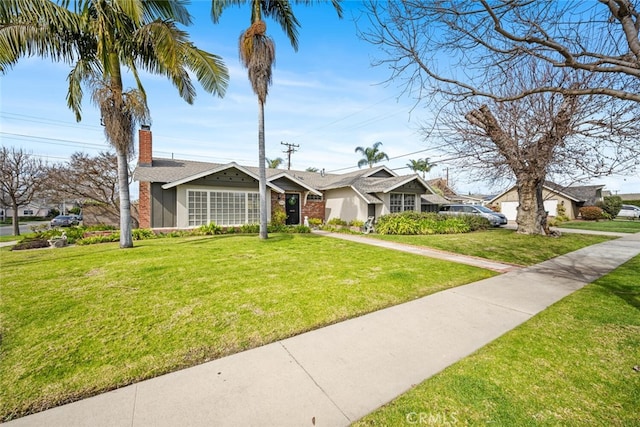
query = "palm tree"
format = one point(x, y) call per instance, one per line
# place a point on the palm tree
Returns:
point(420, 165)
point(100, 38)
point(257, 54)
point(371, 155)
point(274, 163)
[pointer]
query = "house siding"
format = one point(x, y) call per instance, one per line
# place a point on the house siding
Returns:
point(163, 207)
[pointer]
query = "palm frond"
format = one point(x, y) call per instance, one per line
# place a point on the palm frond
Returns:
point(209, 69)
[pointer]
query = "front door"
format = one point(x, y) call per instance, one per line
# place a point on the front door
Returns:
point(292, 208)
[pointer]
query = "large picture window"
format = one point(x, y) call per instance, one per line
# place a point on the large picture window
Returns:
point(400, 202)
point(225, 208)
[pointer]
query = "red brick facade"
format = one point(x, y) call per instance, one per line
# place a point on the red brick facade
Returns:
point(145, 155)
point(144, 205)
point(312, 209)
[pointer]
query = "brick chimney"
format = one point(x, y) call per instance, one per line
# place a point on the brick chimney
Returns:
point(145, 152)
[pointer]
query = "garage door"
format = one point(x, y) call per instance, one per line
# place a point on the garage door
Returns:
point(510, 209)
point(551, 206)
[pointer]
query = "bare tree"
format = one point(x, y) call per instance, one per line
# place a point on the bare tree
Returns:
point(517, 86)
point(87, 178)
point(460, 47)
point(22, 177)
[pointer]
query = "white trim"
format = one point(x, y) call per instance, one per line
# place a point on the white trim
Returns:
point(232, 165)
point(297, 181)
point(208, 191)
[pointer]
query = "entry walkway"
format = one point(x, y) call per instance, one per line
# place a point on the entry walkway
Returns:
point(335, 375)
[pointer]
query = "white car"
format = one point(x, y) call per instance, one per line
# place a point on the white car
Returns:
point(629, 211)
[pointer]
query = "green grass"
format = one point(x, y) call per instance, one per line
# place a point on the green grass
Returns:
point(570, 365)
point(617, 225)
point(81, 320)
point(501, 245)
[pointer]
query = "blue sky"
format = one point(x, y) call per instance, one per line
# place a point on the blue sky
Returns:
point(326, 98)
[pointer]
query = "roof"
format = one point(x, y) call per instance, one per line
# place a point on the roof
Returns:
point(365, 183)
point(578, 193)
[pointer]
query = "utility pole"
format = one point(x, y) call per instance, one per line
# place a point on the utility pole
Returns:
point(291, 148)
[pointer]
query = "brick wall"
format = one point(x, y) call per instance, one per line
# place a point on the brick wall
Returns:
point(313, 209)
point(144, 205)
point(145, 152)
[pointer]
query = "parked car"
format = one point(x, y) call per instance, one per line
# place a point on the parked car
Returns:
point(496, 219)
point(77, 217)
point(64, 221)
point(629, 211)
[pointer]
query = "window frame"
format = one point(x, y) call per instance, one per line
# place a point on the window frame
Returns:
point(226, 208)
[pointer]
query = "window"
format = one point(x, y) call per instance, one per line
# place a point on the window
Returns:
point(27, 212)
point(225, 208)
point(314, 198)
point(399, 202)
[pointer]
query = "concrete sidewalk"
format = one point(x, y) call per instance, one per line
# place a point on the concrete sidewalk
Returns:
point(335, 375)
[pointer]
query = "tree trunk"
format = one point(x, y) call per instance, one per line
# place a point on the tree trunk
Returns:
point(262, 182)
point(16, 225)
point(126, 239)
point(531, 217)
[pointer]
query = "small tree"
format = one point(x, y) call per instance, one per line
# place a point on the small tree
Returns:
point(22, 177)
point(611, 205)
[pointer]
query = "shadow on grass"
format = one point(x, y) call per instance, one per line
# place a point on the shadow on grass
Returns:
point(630, 293)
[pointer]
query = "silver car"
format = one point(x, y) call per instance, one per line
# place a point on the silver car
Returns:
point(629, 211)
point(496, 219)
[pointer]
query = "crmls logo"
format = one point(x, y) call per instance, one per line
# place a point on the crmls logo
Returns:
point(427, 418)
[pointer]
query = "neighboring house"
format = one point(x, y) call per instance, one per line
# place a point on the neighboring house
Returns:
point(32, 209)
point(572, 198)
point(183, 194)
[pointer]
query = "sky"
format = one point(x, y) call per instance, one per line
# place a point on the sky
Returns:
point(326, 98)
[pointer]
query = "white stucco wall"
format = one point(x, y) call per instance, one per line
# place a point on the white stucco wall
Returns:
point(345, 204)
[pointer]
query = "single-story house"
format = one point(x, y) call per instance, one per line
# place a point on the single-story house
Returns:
point(33, 209)
point(182, 193)
point(572, 198)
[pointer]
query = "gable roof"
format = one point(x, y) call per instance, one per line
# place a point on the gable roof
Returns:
point(365, 182)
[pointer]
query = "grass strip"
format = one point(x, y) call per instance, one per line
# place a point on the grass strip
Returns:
point(616, 226)
point(501, 244)
point(572, 364)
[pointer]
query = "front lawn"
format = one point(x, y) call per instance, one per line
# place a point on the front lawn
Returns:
point(81, 320)
point(501, 245)
point(617, 225)
point(574, 364)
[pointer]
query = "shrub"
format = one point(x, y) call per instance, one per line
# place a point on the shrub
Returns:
point(250, 228)
point(302, 229)
point(561, 216)
point(611, 206)
point(278, 217)
point(315, 222)
point(356, 223)
point(336, 221)
point(429, 223)
point(591, 213)
point(143, 234)
point(106, 238)
point(209, 229)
